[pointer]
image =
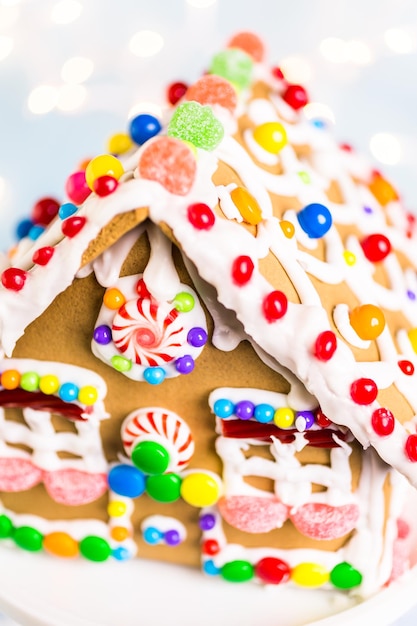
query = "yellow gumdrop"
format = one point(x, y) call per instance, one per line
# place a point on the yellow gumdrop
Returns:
point(271, 136)
point(103, 165)
point(49, 384)
point(199, 489)
point(412, 335)
point(113, 299)
point(116, 508)
point(287, 228)
point(88, 395)
point(60, 544)
point(310, 575)
point(10, 379)
point(350, 257)
point(119, 143)
point(284, 417)
point(247, 206)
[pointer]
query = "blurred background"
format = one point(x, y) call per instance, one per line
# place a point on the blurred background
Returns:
point(73, 72)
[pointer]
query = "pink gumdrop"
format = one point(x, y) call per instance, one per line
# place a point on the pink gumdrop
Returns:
point(73, 487)
point(325, 522)
point(76, 187)
point(253, 514)
point(212, 89)
point(170, 162)
point(18, 474)
point(249, 43)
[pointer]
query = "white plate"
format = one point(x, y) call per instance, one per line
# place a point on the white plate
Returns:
point(38, 590)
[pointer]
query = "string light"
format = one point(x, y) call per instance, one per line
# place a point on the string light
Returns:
point(71, 97)
point(399, 41)
point(77, 70)
point(359, 52)
point(386, 148)
point(66, 11)
point(42, 99)
point(146, 43)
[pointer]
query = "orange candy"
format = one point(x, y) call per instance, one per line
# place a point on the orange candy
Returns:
point(60, 544)
point(113, 299)
point(10, 379)
point(247, 206)
point(287, 228)
point(170, 162)
point(120, 533)
point(368, 321)
point(212, 89)
point(249, 43)
point(383, 191)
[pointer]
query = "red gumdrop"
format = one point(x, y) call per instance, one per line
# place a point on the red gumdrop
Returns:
point(253, 514)
point(73, 487)
point(72, 225)
point(275, 306)
point(200, 216)
point(210, 546)
point(406, 367)
point(321, 419)
point(105, 185)
point(325, 522)
point(295, 96)
point(18, 474)
point(44, 211)
point(411, 447)
point(376, 247)
point(249, 43)
point(325, 345)
point(212, 89)
point(272, 571)
point(13, 278)
point(383, 422)
point(42, 256)
point(363, 391)
point(242, 270)
point(170, 162)
point(76, 187)
point(175, 92)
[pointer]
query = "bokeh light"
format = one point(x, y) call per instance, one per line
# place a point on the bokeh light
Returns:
point(6, 46)
point(66, 11)
point(201, 4)
point(71, 97)
point(42, 99)
point(77, 70)
point(386, 148)
point(146, 43)
point(399, 40)
point(297, 69)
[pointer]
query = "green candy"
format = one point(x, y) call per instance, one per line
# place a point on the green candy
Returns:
point(184, 302)
point(345, 576)
point(164, 487)
point(234, 65)
point(28, 538)
point(150, 457)
point(29, 381)
point(121, 364)
point(95, 548)
point(237, 571)
point(197, 124)
point(6, 526)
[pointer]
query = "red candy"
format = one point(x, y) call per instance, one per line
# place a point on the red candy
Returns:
point(18, 474)
point(363, 391)
point(325, 522)
point(275, 306)
point(212, 89)
point(253, 514)
point(170, 162)
point(296, 96)
point(272, 571)
point(406, 367)
point(73, 487)
point(76, 187)
point(44, 211)
point(376, 247)
point(142, 289)
point(200, 216)
point(14, 278)
point(43, 255)
point(242, 270)
point(175, 92)
point(105, 185)
point(210, 546)
point(325, 345)
point(277, 73)
point(383, 422)
point(72, 225)
point(249, 43)
point(321, 419)
point(411, 448)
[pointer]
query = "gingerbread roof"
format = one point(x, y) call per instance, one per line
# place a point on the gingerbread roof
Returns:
point(301, 239)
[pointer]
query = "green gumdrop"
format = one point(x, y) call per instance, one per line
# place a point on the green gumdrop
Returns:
point(95, 548)
point(197, 124)
point(28, 538)
point(234, 65)
point(150, 457)
point(6, 526)
point(345, 576)
point(164, 487)
point(237, 571)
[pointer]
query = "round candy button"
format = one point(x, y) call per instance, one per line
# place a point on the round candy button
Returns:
point(150, 457)
point(200, 489)
point(127, 481)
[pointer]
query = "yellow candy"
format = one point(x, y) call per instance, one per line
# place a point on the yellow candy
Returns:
point(284, 417)
point(60, 544)
point(350, 257)
point(287, 228)
point(368, 321)
point(10, 379)
point(116, 508)
point(113, 298)
point(87, 395)
point(271, 136)
point(119, 143)
point(246, 205)
point(310, 575)
point(49, 384)
point(199, 489)
point(103, 165)
point(412, 335)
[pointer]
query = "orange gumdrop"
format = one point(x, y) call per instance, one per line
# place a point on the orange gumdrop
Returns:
point(60, 544)
point(170, 162)
point(383, 191)
point(249, 43)
point(212, 89)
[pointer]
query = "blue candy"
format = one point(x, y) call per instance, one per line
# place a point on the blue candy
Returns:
point(126, 480)
point(315, 220)
point(143, 127)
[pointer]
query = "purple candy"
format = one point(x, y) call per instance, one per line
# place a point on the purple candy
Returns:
point(102, 334)
point(244, 409)
point(308, 417)
point(197, 337)
point(172, 537)
point(185, 364)
point(207, 521)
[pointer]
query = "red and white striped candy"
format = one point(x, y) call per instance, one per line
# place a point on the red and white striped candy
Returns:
point(253, 514)
point(325, 522)
point(18, 474)
point(73, 487)
point(148, 333)
point(164, 427)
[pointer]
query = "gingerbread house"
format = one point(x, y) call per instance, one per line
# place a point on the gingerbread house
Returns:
point(209, 349)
